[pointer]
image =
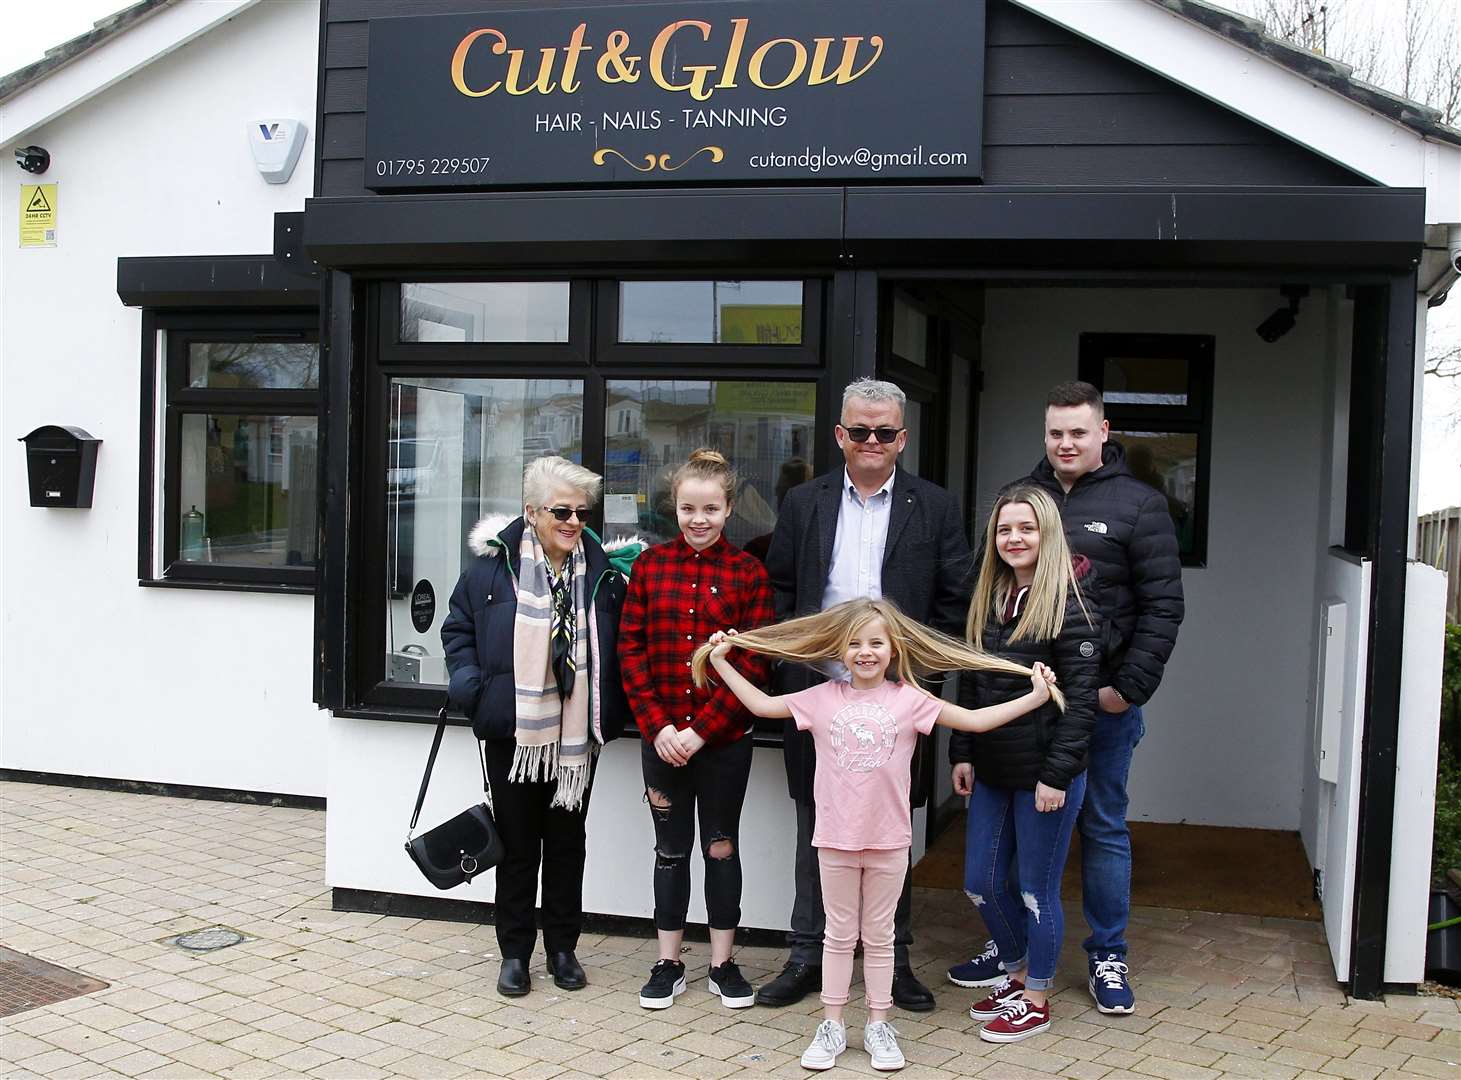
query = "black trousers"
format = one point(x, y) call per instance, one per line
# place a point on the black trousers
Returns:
point(535, 835)
point(714, 783)
point(809, 918)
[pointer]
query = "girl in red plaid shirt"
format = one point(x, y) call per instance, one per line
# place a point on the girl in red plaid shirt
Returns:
point(696, 749)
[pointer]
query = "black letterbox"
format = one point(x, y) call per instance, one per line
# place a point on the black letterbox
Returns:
point(61, 462)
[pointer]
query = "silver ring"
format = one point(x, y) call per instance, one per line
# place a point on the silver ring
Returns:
point(469, 869)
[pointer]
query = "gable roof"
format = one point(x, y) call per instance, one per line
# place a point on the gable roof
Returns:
point(102, 31)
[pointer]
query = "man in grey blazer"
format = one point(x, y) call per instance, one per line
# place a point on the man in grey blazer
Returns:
point(866, 529)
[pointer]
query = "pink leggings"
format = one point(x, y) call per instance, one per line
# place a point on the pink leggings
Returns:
point(869, 883)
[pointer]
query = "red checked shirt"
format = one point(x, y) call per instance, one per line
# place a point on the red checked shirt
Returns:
point(677, 598)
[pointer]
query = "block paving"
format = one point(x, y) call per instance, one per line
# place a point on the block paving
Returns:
point(97, 881)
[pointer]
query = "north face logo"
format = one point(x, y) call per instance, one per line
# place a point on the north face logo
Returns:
point(1096, 527)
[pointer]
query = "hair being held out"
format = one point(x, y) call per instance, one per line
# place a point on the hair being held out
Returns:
point(917, 650)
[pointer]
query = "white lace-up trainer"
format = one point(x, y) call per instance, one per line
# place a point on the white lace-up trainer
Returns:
point(829, 1041)
point(880, 1040)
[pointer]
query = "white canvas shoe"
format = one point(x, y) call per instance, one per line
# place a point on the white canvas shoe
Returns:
point(829, 1041)
point(880, 1040)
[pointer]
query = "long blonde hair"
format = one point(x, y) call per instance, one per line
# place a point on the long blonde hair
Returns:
point(1043, 615)
point(917, 649)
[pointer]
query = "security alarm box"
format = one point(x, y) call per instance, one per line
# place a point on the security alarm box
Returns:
point(61, 463)
point(276, 145)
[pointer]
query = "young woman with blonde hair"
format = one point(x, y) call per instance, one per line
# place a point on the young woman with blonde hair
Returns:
point(865, 733)
point(1032, 605)
point(696, 741)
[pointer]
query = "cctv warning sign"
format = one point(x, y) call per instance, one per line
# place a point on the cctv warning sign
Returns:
point(38, 215)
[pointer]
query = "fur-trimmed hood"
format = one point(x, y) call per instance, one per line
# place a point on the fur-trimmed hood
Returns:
point(486, 538)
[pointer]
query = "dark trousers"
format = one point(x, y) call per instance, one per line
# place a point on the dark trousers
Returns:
point(809, 918)
point(535, 834)
point(714, 784)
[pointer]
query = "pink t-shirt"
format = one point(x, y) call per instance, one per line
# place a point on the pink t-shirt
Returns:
point(865, 741)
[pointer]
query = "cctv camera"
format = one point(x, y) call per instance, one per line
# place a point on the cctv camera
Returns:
point(1453, 246)
point(33, 159)
point(1276, 325)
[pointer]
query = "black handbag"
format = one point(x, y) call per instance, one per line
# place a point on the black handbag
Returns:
point(459, 849)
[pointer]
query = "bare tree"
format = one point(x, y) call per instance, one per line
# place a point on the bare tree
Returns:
point(1445, 362)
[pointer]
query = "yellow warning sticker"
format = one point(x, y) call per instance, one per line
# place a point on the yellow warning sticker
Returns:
point(38, 215)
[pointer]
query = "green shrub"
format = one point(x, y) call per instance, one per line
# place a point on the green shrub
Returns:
point(1446, 845)
point(1451, 692)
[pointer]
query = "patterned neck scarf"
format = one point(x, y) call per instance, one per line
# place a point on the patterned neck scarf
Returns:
point(562, 633)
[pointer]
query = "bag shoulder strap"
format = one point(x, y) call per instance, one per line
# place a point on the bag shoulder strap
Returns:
point(431, 763)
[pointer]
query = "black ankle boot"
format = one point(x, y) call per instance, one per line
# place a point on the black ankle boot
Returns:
point(513, 980)
point(567, 972)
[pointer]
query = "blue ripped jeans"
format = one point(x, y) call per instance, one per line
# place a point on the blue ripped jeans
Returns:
point(1024, 915)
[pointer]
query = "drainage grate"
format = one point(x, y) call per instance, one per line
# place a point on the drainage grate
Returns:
point(28, 983)
point(215, 937)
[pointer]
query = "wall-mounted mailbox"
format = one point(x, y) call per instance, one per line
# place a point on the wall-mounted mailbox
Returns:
point(61, 462)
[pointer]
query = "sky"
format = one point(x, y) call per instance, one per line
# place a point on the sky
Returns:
point(24, 39)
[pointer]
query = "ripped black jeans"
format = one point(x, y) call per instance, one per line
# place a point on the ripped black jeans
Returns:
point(714, 782)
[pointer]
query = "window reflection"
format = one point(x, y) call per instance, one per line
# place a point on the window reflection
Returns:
point(248, 365)
point(456, 452)
point(1167, 461)
point(764, 428)
point(500, 311)
point(711, 312)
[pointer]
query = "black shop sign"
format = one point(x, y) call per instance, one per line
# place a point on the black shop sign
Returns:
point(727, 91)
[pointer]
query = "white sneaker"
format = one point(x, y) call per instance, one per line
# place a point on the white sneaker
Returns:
point(880, 1040)
point(829, 1041)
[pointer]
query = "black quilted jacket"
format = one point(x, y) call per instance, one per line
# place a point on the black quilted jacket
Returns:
point(1045, 745)
point(1123, 526)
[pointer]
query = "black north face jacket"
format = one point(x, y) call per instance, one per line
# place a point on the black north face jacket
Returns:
point(1124, 527)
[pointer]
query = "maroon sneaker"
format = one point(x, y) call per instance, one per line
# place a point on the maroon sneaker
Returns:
point(1021, 1020)
point(1003, 994)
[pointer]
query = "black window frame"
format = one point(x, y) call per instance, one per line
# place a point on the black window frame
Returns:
point(586, 356)
point(166, 388)
point(1193, 418)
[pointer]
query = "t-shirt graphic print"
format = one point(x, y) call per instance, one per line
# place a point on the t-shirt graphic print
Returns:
point(865, 741)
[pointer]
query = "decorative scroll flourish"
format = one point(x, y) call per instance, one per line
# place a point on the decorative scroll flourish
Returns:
point(657, 161)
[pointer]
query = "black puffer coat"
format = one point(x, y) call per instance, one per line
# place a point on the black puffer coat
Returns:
point(1045, 745)
point(477, 634)
point(1124, 527)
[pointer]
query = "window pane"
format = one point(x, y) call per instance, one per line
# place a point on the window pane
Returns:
point(247, 365)
point(456, 454)
point(247, 490)
point(501, 311)
point(910, 332)
point(1167, 461)
point(764, 428)
point(711, 312)
point(1145, 380)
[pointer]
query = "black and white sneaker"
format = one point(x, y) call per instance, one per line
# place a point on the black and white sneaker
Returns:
point(727, 981)
point(666, 982)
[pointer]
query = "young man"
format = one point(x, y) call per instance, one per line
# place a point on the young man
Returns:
point(1125, 528)
point(866, 529)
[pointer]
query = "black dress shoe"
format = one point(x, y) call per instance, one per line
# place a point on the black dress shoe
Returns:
point(795, 982)
point(513, 980)
point(909, 993)
point(567, 972)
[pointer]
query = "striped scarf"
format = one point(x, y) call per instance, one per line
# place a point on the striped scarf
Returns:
point(550, 644)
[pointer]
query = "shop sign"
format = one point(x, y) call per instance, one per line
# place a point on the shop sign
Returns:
point(722, 91)
point(761, 324)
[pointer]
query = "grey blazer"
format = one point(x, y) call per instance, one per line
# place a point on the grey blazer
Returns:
point(927, 571)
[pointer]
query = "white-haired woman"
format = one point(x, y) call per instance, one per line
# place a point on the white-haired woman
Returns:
point(531, 645)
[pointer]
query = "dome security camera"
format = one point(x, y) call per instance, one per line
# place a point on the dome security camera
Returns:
point(33, 159)
point(1453, 246)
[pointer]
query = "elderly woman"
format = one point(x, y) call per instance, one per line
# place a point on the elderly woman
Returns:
point(531, 647)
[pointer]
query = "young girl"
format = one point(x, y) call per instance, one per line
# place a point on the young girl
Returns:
point(865, 734)
point(1028, 606)
point(696, 747)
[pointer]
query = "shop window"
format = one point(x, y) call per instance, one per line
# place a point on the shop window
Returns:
point(455, 455)
point(1158, 394)
point(485, 311)
point(765, 428)
point(726, 322)
point(240, 444)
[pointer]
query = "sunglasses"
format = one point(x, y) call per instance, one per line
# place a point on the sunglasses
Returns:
point(885, 434)
point(563, 513)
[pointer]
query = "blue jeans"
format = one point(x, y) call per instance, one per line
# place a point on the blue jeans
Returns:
point(1027, 922)
point(1105, 839)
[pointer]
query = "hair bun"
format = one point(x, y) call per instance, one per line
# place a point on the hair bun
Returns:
point(713, 457)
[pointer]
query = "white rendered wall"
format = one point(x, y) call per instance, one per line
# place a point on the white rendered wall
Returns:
point(102, 677)
point(1228, 732)
point(376, 770)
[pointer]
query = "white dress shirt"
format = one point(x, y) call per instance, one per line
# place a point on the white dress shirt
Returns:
point(857, 552)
